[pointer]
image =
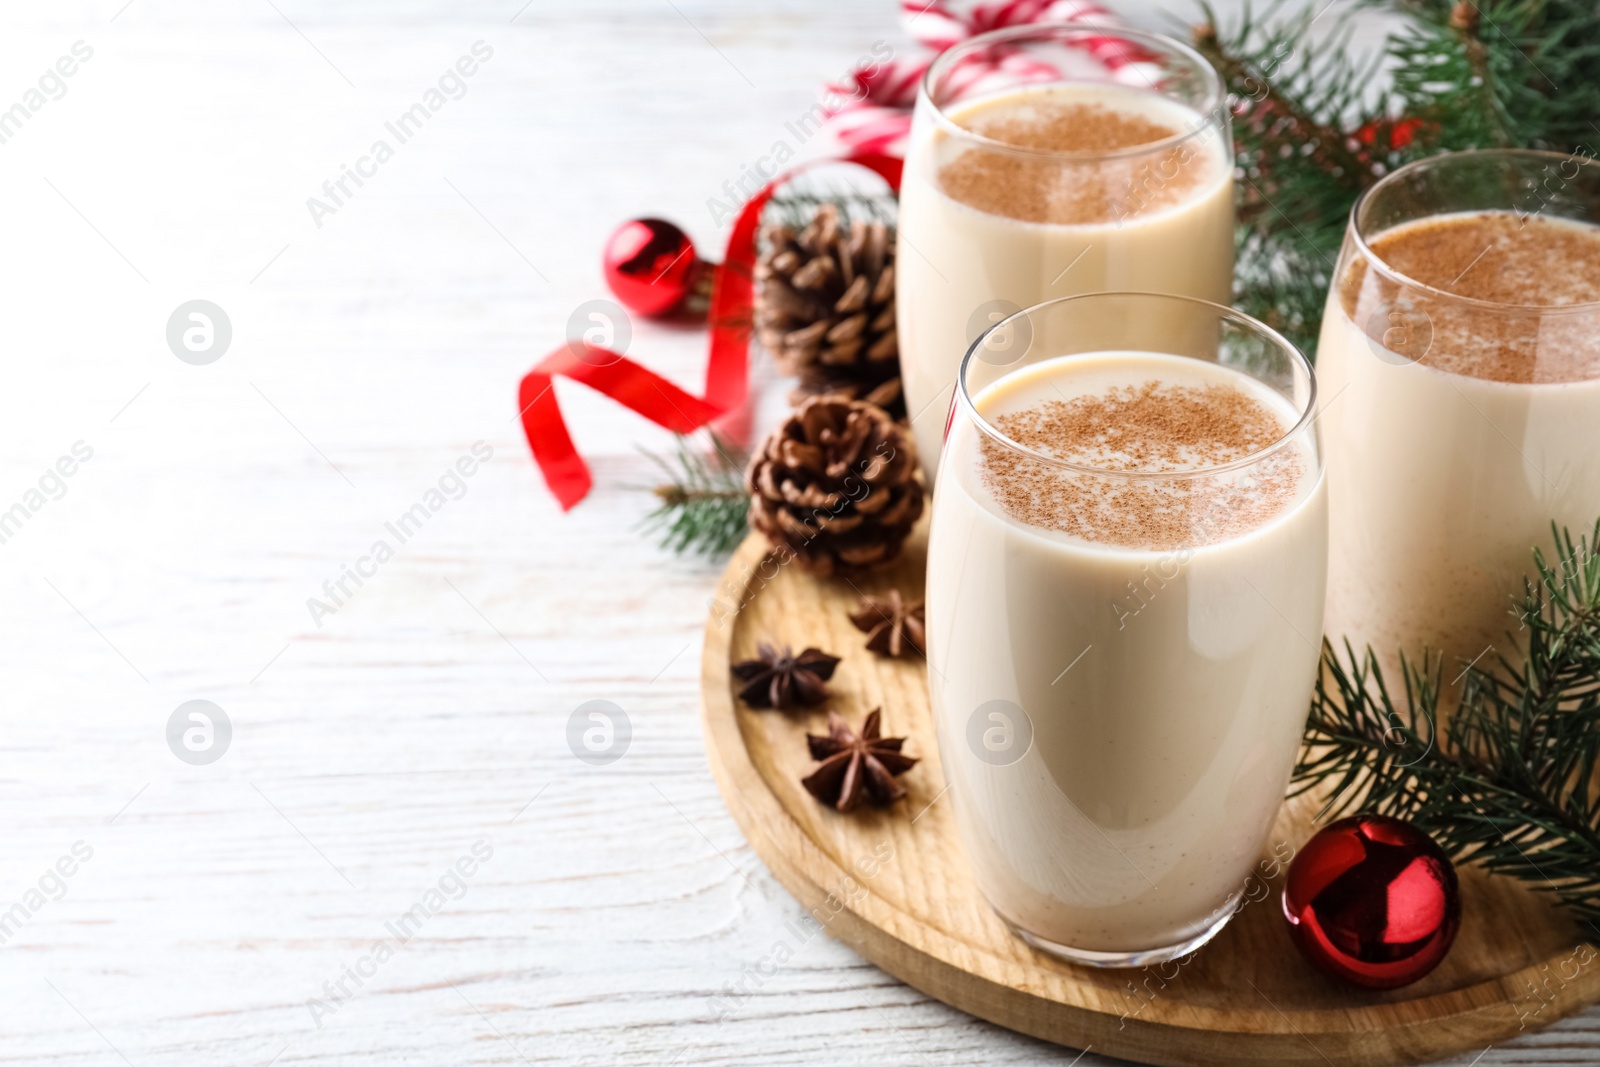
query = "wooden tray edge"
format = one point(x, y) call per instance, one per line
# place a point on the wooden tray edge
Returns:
point(1459, 1025)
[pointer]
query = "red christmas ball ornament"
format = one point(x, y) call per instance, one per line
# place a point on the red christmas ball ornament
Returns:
point(652, 268)
point(1373, 901)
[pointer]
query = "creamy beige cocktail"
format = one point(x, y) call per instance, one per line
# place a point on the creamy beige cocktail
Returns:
point(1125, 594)
point(1460, 372)
point(1027, 193)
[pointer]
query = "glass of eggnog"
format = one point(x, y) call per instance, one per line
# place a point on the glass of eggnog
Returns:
point(1125, 592)
point(1034, 171)
point(1460, 370)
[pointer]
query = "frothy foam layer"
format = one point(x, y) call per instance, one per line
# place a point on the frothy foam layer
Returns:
point(1180, 417)
point(1530, 265)
point(1078, 119)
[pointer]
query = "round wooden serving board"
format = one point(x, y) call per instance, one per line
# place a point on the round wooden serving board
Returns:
point(894, 885)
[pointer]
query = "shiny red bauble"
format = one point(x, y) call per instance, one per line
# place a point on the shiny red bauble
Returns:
point(651, 266)
point(1373, 901)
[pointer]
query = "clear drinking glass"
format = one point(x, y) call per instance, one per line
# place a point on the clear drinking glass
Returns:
point(1460, 369)
point(1032, 173)
point(1125, 592)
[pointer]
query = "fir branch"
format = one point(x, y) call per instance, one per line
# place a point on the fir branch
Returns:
point(1311, 131)
point(1501, 72)
point(1271, 283)
point(1466, 20)
point(703, 504)
point(1280, 100)
point(1510, 784)
point(1294, 103)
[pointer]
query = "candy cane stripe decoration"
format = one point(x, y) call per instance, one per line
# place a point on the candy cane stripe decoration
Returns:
point(875, 114)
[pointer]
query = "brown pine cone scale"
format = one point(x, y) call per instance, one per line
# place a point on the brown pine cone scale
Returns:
point(825, 308)
point(836, 486)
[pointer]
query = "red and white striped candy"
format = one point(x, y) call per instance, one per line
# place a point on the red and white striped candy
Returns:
point(875, 112)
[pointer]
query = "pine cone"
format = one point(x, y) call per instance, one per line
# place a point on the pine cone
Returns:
point(818, 381)
point(837, 485)
point(825, 308)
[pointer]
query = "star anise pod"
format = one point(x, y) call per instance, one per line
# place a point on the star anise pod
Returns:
point(856, 767)
point(892, 626)
point(780, 679)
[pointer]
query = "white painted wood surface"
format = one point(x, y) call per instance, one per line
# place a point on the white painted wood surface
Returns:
point(430, 712)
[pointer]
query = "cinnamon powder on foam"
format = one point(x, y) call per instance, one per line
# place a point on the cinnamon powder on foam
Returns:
point(1153, 427)
point(1064, 192)
point(1500, 258)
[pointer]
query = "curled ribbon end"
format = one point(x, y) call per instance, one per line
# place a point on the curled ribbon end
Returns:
point(726, 394)
point(565, 472)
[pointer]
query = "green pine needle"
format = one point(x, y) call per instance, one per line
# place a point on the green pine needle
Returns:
point(1521, 73)
point(1510, 782)
point(703, 504)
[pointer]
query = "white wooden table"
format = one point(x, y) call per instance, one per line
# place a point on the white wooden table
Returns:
point(374, 746)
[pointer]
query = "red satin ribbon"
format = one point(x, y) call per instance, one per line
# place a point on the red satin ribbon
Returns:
point(634, 386)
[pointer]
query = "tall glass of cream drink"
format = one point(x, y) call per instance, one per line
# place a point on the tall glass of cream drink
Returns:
point(1460, 370)
point(1125, 592)
point(1023, 184)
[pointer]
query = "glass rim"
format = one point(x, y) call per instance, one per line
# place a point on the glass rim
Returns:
point(963, 396)
point(1376, 262)
point(1208, 110)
